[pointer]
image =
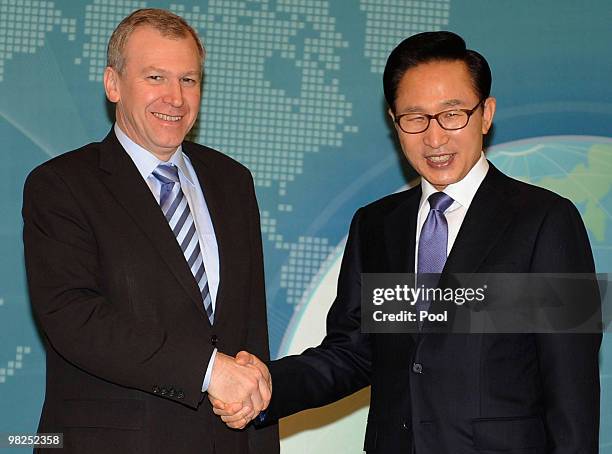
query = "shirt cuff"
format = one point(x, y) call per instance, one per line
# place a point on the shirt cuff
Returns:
point(209, 369)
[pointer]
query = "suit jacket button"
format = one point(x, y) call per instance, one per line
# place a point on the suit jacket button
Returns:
point(155, 390)
point(164, 391)
point(405, 425)
point(180, 395)
point(213, 340)
point(417, 368)
point(171, 392)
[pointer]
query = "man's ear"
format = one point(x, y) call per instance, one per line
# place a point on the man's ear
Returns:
point(488, 113)
point(111, 84)
point(392, 117)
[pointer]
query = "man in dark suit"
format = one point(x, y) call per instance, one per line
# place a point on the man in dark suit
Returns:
point(437, 393)
point(144, 263)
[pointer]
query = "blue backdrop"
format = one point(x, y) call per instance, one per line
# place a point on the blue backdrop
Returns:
point(293, 90)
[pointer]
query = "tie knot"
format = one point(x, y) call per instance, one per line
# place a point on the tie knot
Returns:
point(166, 173)
point(440, 201)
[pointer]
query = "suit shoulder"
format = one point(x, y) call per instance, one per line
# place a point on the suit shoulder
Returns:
point(390, 202)
point(73, 162)
point(528, 196)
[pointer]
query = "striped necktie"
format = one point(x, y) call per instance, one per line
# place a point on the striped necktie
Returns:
point(176, 209)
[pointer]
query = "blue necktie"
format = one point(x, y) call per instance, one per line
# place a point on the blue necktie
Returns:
point(433, 242)
point(176, 209)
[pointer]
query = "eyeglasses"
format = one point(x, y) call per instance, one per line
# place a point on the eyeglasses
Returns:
point(451, 120)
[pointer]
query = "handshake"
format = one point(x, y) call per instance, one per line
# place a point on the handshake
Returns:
point(240, 388)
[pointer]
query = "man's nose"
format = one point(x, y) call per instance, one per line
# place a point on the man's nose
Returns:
point(435, 136)
point(174, 94)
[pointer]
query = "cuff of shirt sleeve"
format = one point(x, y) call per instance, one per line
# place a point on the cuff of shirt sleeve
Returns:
point(209, 369)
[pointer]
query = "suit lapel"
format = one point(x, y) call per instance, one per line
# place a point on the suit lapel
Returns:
point(489, 215)
point(125, 182)
point(400, 233)
point(400, 236)
point(216, 197)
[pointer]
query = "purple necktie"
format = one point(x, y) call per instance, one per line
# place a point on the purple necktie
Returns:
point(433, 243)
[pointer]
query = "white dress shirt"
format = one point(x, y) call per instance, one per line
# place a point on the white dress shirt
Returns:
point(146, 162)
point(462, 193)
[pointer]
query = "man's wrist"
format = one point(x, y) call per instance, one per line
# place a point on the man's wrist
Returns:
point(209, 369)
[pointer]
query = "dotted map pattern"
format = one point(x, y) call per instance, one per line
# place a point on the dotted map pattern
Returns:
point(14, 364)
point(390, 21)
point(305, 258)
point(24, 25)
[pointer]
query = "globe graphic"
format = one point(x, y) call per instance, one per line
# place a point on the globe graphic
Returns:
point(579, 168)
point(576, 167)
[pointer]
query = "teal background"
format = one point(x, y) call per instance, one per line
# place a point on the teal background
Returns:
point(293, 90)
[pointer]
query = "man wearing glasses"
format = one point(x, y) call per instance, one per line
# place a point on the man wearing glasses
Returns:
point(451, 393)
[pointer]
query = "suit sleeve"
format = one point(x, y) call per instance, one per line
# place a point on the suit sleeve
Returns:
point(263, 440)
point(568, 362)
point(94, 332)
point(341, 364)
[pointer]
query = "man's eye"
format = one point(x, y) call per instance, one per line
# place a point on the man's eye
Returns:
point(189, 81)
point(155, 78)
point(451, 114)
point(416, 119)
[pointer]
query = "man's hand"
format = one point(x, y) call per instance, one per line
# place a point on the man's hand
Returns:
point(238, 413)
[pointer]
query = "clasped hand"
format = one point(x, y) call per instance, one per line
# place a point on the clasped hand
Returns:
point(240, 388)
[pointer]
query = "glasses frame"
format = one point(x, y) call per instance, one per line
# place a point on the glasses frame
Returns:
point(429, 117)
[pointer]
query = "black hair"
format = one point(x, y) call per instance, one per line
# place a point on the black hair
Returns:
point(429, 47)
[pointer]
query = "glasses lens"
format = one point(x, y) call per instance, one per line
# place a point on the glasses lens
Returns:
point(453, 119)
point(413, 123)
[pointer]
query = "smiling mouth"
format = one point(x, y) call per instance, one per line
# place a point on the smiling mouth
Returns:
point(440, 159)
point(165, 117)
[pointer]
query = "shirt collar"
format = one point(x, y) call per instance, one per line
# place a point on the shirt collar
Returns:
point(146, 162)
point(462, 191)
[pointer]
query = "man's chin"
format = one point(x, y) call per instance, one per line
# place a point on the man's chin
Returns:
point(440, 182)
point(172, 144)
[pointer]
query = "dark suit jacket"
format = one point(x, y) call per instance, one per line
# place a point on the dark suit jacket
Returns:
point(436, 393)
point(127, 338)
